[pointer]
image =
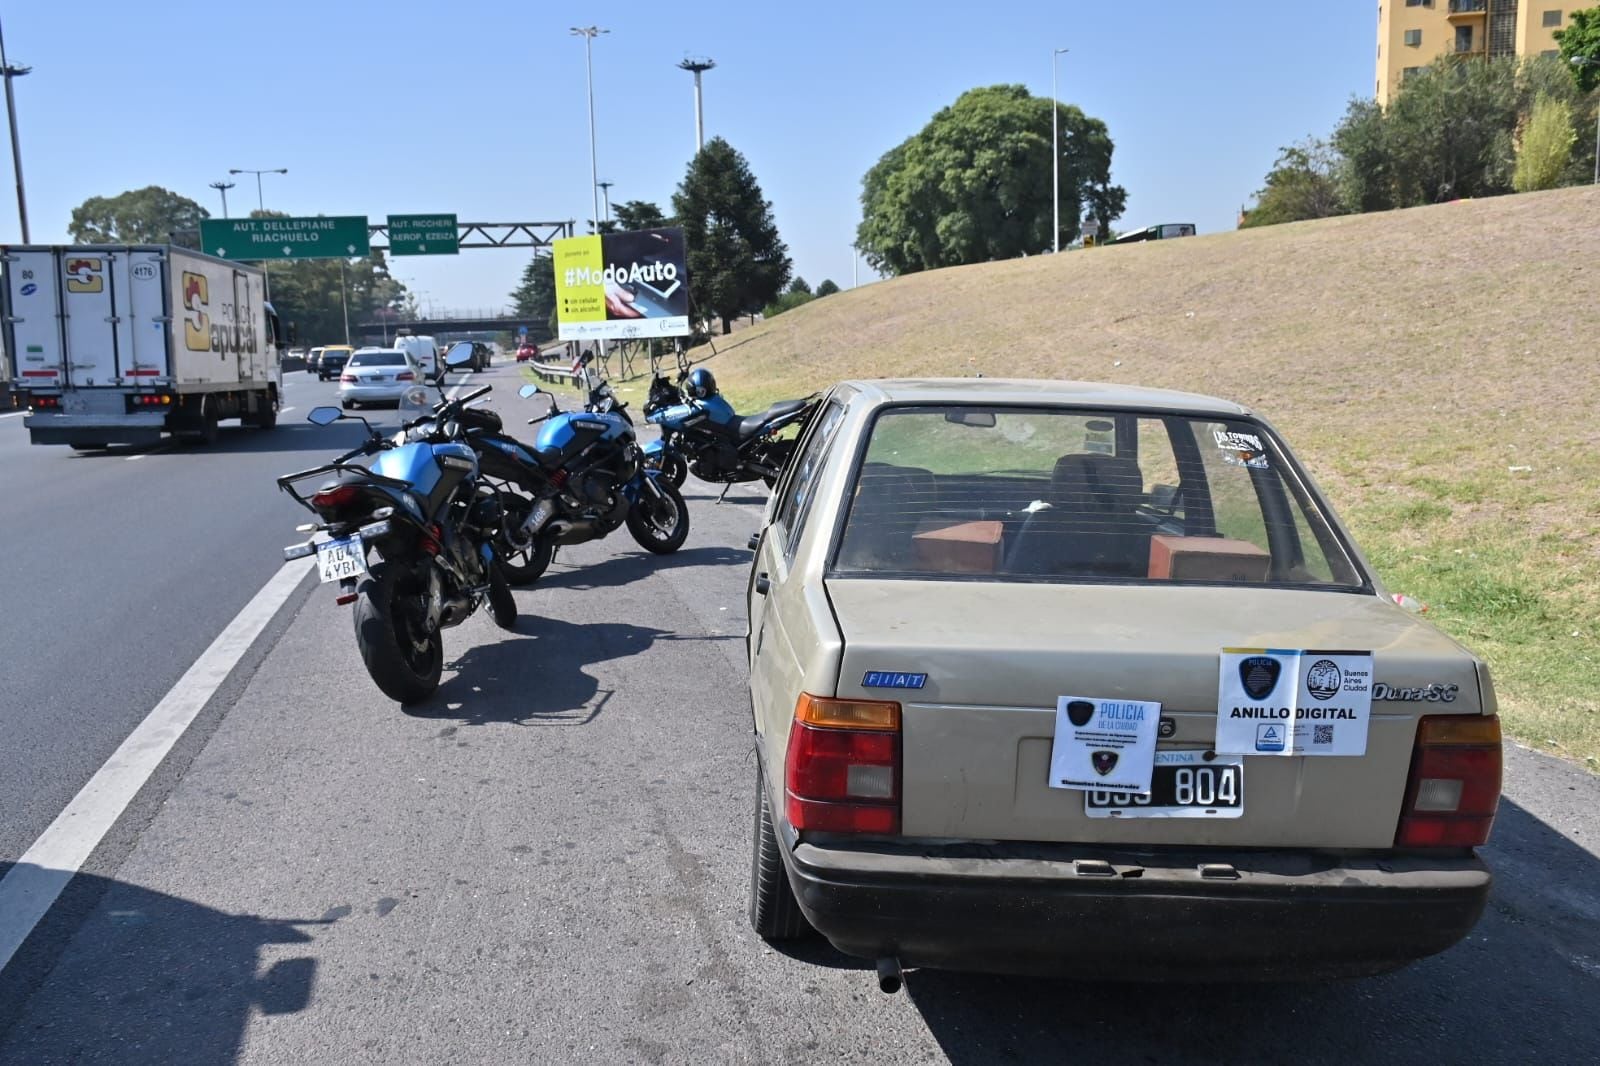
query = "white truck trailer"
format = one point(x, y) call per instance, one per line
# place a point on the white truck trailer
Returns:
point(118, 344)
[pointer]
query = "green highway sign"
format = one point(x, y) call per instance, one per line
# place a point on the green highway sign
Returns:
point(322, 237)
point(422, 235)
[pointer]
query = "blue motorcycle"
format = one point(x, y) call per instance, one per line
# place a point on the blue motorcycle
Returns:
point(593, 476)
point(702, 434)
point(409, 540)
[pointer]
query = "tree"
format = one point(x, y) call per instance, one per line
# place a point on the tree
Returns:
point(1302, 184)
point(639, 214)
point(787, 302)
point(151, 215)
point(827, 288)
point(1580, 39)
point(535, 298)
point(1546, 146)
point(1450, 132)
point(799, 285)
point(975, 184)
point(737, 261)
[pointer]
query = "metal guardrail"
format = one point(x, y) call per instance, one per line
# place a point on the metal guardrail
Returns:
point(553, 372)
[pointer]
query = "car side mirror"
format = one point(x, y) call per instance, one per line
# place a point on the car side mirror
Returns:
point(324, 416)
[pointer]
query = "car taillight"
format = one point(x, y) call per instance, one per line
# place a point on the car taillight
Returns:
point(842, 771)
point(1454, 785)
point(335, 498)
point(351, 378)
point(405, 375)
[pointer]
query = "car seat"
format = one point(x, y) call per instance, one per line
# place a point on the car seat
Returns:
point(1091, 527)
point(891, 502)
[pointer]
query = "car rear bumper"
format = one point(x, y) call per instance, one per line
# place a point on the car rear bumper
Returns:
point(388, 392)
point(1096, 912)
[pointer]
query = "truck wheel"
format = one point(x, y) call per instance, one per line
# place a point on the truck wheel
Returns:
point(774, 912)
point(267, 416)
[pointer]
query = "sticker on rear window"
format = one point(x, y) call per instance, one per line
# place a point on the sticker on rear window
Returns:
point(892, 679)
point(1241, 449)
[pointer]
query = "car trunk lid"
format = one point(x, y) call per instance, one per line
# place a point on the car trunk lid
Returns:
point(977, 735)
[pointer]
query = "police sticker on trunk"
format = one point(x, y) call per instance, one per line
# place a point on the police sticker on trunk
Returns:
point(1104, 745)
point(1274, 701)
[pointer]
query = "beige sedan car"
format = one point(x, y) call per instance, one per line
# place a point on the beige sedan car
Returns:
point(1081, 679)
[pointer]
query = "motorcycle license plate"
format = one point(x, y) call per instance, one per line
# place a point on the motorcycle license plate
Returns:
point(1182, 785)
point(339, 559)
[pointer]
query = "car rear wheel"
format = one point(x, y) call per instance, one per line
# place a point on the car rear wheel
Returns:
point(774, 912)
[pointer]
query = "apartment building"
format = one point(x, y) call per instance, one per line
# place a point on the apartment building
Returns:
point(1413, 33)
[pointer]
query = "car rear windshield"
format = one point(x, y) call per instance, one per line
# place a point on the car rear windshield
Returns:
point(1067, 494)
point(377, 359)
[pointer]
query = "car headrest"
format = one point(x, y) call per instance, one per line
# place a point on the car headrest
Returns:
point(1092, 482)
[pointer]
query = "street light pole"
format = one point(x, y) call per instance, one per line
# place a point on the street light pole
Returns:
point(589, 33)
point(9, 72)
point(223, 187)
point(261, 203)
point(345, 303)
point(1055, 155)
point(605, 187)
point(1577, 61)
point(698, 66)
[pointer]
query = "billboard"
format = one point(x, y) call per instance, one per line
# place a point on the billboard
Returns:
point(619, 286)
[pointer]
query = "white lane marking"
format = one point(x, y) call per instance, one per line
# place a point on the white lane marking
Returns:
point(285, 410)
point(14, 414)
point(33, 884)
point(157, 450)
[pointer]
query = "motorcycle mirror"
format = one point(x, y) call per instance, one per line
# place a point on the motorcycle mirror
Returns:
point(324, 416)
point(528, 390)
point(460, 354)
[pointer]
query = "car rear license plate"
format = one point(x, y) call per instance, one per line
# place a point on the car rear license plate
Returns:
point(1183, 784)
point(339, 559)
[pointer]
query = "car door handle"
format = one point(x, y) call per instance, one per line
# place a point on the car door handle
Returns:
point(753, 542)
point(762, 584)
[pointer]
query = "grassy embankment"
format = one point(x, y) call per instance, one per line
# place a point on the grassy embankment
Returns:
point(1437, 369)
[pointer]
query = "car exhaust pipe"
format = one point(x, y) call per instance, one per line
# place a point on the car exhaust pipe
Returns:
point(889, 977)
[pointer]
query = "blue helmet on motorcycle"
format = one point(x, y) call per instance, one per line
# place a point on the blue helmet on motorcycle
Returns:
point(701, 384)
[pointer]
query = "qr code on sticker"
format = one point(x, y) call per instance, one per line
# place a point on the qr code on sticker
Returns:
point(1322, 734)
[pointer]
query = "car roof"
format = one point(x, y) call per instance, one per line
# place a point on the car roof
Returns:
point(1025, 391)
point(379, 351)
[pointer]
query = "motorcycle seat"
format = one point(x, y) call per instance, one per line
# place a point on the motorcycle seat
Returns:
point(750, 425)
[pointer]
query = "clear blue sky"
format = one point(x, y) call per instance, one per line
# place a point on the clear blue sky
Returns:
point(477, 106)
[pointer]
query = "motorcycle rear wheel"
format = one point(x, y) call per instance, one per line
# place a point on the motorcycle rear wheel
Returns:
point(389, 619)
point(659, 525)
point(526, 565)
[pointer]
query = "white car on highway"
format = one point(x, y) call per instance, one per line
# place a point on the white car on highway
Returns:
point(377, 375)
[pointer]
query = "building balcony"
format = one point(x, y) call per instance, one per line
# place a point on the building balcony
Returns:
point(1463, 10)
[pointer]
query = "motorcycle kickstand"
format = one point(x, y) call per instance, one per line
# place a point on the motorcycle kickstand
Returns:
point(725, 489)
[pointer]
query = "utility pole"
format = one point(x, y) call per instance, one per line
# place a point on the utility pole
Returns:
point(223, 187)
point(605, 187)
point(10, 72)
point(1055, 155)
point(345, 303)
point(697, 66)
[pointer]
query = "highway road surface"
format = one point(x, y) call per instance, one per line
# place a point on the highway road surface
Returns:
point(548, 861)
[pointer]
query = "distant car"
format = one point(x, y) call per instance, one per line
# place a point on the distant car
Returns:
point(313, 360)
point(424, 352)
point(482, 356)
point(1086, 679)
point(527, 353)
point(334, 357)
point(377, 375)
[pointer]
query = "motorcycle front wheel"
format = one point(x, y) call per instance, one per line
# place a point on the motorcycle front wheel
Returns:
point(404, 659)
point(659, 520)
point(673, 469)
point(527, 564)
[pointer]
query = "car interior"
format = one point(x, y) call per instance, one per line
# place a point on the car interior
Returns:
point(1092, 518)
